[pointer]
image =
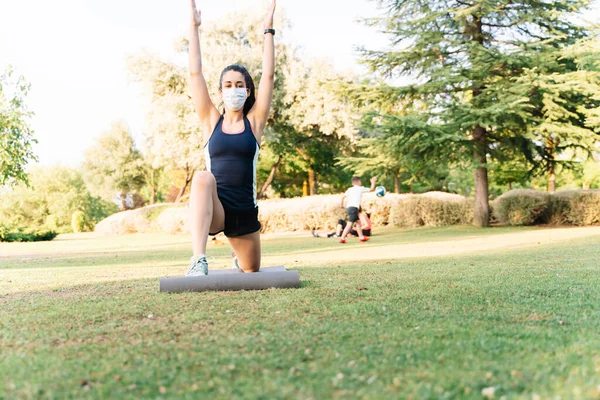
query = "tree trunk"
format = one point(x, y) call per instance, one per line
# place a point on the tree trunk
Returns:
point(551, 145)
point(123, 197)
point(312, 183)
point(482, 207)
point(479, 134)
point(152, 194)
point(269, 180)
point(189, 174)
point(396, 184)
point(551, 180)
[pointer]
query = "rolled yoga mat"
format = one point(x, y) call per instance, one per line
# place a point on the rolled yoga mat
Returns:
point(230, 279)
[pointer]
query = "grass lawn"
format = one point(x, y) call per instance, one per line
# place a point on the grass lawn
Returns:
point(81, 317)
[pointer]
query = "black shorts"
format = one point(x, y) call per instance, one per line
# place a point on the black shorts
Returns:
point(352, 214)
point(240, 222)
point(353, 232)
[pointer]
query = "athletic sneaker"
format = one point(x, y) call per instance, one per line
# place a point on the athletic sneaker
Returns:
point(198, 266)
point(236, 263)
point(342, 240)
point(364, 239)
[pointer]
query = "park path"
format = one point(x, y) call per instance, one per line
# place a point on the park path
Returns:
point(371, 251)
point(40, 278)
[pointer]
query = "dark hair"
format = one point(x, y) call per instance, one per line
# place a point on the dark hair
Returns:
point(249, 84)
point(355, 179)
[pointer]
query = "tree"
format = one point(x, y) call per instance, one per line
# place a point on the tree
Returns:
point(172, 131)
point(322, 120)
point(16, 136)
point(564, 91)
point(397, 142)
point(465, 59)
point(53, 196)
point(153, 179)
point(113, 164)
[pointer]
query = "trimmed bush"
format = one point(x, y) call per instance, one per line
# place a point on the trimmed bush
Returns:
point(78, 222)
point(305, 213)
point(132, 221)
point(431, 209)
point(405, 212)
point(584, 207)
point(559, 208)
point(522, 207)
point(12, 234)
point(174, 220)
point(529, 207)
point(314, 212)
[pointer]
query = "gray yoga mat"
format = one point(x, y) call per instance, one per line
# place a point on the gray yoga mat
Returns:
point(230, 279)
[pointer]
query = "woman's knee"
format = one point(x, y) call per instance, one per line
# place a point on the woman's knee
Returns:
point(250, 263)
point(203, 179)
point(251, 270)
point(251, 267)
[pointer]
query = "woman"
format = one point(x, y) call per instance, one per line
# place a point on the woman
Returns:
point(223, 198)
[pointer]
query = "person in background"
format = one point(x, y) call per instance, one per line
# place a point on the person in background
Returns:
point(353, 197)
point(365, 224)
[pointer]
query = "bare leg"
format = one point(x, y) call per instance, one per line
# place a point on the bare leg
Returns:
point(347, 229)
point(322, 235)
point(359, 230)
point(247, 250)
point(207, 214)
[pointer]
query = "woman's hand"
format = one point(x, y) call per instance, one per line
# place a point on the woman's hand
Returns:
point(270, 14)
point(196, 15)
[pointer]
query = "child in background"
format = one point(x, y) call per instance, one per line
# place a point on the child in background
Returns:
point(365, 224)
point(353, 197)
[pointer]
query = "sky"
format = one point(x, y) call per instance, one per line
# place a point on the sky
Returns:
point(73, 54)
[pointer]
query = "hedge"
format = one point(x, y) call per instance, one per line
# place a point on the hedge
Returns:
point(530, 207)
point(313, 212)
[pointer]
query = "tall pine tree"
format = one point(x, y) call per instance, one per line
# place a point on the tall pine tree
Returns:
point(467, 60)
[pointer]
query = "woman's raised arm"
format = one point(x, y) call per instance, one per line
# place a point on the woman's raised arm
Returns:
point(261, 109)
point(204, 105)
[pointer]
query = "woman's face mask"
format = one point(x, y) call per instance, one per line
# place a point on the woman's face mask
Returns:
point(234, 98)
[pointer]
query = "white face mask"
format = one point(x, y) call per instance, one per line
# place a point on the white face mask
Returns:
point(234, 98)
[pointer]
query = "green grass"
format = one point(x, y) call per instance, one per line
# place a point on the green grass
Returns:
point(74, 322)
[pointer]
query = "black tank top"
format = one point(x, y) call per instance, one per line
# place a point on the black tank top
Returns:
point(232, 159)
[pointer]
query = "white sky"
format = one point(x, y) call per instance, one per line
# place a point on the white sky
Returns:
point(73, 53)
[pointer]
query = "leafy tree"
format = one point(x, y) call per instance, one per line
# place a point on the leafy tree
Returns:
point(321, 120)
point(590, 176)
point(154, 178)
point(113, 164)
point(467, 60)
point(55, 194)
point(16, 136)
point(564, 91)
point(172, 131)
